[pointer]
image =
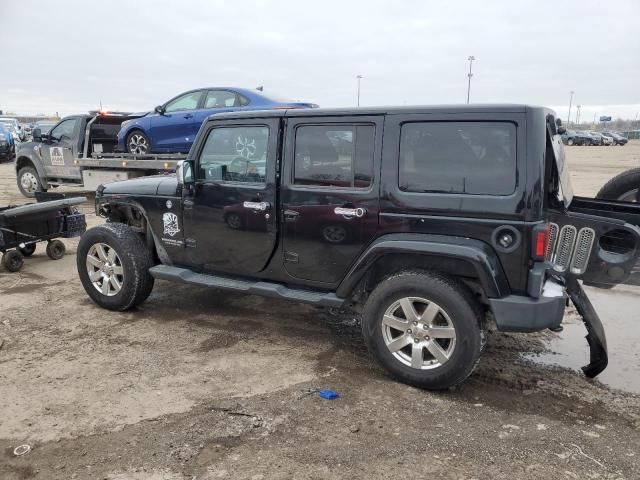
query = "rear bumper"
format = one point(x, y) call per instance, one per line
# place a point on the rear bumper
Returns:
point(516, 313)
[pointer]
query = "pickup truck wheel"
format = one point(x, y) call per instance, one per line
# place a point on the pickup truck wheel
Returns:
point(138, 143)
point(29, 182)
point(570, 141)
point(424, 329)
point(113, 264)
point(624, 187)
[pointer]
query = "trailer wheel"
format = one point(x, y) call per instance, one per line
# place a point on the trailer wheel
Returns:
point(29, 182)
point(27, 250)
point(12, 260)
point(56, 249)
point(113, 264)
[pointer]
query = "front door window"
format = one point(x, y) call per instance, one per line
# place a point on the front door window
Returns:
point(188, 101)
point(235, 154)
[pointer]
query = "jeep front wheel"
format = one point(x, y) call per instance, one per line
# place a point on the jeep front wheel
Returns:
point(424, 329)
point(113, 264)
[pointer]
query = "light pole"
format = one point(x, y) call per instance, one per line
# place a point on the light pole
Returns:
point(569, 114)
point(471, 59)
point(359, 77)
point(578, 107)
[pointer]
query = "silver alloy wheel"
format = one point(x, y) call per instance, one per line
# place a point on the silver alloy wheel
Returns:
point(138, 144)
point(418, 333)
point(29, 182)
point(105, 269)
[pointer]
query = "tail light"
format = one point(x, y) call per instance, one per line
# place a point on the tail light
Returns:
point(540, 242)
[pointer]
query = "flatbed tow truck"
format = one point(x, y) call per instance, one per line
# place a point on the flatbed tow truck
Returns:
point(80, 151)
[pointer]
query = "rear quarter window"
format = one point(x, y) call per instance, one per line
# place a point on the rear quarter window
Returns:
point(474, 158)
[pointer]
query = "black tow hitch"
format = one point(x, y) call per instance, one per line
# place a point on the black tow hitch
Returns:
point(599, 358)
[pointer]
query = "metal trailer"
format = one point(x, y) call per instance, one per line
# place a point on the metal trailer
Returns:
point(22, 227)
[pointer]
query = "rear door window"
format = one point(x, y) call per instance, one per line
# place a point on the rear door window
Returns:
point(476, 158)
point(221, 99)
point(334, 155)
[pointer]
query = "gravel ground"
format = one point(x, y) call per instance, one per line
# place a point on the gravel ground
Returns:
point(206, 384)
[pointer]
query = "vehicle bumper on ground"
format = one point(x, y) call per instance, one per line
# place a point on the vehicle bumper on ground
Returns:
point(520, 313)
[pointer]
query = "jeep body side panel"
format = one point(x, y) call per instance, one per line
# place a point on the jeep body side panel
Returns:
point(478, 255)
point(230, 222)
point(481, 217)
point(319, 243)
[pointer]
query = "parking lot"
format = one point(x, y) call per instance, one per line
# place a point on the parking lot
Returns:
point(205, 384)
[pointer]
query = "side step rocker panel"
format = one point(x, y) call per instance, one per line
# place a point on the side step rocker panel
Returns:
point(265, 289)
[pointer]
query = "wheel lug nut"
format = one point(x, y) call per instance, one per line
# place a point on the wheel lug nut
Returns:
point(415, 323)
point(416, 340)
point(409, 331)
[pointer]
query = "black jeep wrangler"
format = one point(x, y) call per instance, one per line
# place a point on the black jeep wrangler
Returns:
point(426, 220)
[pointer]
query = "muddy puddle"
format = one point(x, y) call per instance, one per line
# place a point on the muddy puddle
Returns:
point(619, 310)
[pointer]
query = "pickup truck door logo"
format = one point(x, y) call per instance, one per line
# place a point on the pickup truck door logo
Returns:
point(57, 156)
point(171, 226)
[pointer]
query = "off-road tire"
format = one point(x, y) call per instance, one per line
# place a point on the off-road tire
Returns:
point(12, 260)
point(56, 249)
point(136, 261)
point(621, 185)
point(570, 141)
point(461, 307)
point(32, 171)
point(27, 250)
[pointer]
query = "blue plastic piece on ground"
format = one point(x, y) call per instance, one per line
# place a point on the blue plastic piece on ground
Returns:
point(329, 394)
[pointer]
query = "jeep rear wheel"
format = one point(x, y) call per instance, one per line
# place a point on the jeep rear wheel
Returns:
point(113, 264)
point(424, 329)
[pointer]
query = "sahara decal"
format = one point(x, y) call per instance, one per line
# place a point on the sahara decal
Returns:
point(57, 155)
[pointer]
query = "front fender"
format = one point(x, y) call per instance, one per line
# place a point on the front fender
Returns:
point(141, 123)
point(477, 254)
point(27, 157)
point(106, 205)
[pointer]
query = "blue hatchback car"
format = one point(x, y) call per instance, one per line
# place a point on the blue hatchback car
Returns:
point(7, 145)
point(172, 127)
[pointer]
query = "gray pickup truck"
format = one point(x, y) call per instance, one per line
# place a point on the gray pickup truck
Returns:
point(80, 151)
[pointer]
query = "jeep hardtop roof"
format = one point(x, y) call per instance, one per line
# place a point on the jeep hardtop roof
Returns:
point(389, 110)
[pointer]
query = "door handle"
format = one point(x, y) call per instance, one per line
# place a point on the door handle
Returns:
point(350, 212)
point(260, 206)
point(188, 115)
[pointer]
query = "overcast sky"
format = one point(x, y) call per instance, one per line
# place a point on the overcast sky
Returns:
point(66, 56)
